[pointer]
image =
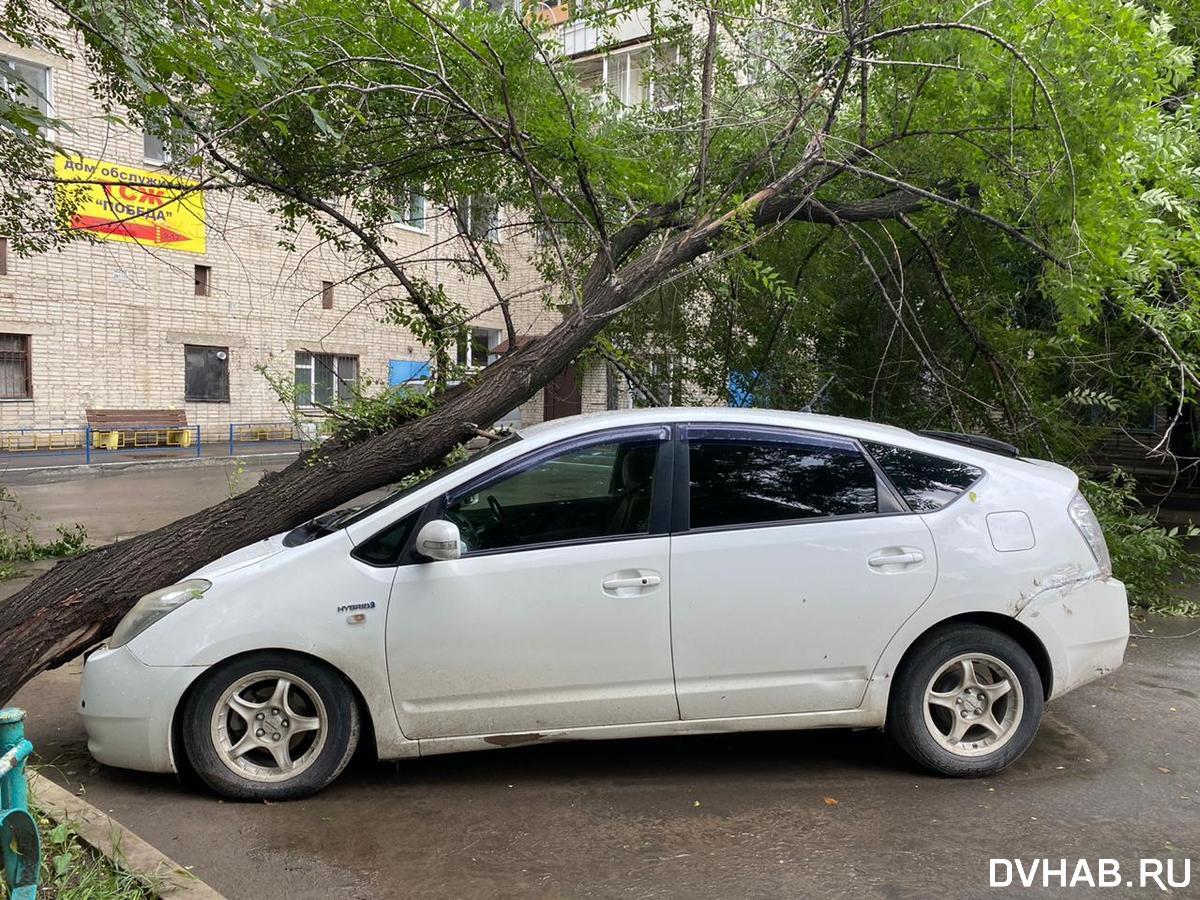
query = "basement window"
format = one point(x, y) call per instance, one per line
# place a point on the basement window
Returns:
point(205, 374)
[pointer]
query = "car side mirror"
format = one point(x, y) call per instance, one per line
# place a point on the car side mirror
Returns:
point(439, 539)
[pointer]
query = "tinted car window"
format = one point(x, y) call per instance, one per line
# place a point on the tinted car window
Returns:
point(384, 548)
point(925, 482)
point(602, 490)
point(738, 481)
point(359, 514)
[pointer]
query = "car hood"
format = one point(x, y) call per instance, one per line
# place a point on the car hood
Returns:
point(239, 559)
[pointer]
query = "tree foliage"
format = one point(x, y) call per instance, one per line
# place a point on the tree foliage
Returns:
point(935, 213)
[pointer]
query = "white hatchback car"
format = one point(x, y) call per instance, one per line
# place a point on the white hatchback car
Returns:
point(666, 571)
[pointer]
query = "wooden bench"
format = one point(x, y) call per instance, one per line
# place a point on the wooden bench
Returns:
point(113, 429)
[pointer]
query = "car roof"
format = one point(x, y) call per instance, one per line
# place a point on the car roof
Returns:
point(557, 429)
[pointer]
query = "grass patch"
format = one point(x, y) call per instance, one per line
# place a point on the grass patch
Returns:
point(73, 871)
point(18, 545)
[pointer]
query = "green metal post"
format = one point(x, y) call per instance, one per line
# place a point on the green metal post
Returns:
point(18, 831)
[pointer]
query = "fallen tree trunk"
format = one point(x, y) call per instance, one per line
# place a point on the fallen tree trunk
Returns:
point(80, 600)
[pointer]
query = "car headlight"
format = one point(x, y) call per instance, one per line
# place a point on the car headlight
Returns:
point(1089, 526)
point(152, 607)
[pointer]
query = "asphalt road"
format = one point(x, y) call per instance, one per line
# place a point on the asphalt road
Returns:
point(1115, 772)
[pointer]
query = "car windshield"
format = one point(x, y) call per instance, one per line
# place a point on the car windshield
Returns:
point(347, 517)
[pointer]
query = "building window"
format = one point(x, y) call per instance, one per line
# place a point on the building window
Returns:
point(323, 378)
point(479, 217)
point(154, 149)
point(661, 90)
point(16, 382)
point(26, 84)
point(205, 374)
point(412, 215)
point(326, 295)
point(203, 279)
point(3, 256)
point(476, 346)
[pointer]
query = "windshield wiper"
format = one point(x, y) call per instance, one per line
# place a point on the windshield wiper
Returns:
point(319, 526)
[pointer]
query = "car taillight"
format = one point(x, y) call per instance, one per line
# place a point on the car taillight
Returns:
point(1089, 526)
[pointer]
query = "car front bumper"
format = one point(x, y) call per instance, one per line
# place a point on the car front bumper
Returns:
point(1084, 628)
point(128, 708)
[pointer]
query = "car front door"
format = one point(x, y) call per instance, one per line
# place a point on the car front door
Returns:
point(791, 567)
point(557, 614)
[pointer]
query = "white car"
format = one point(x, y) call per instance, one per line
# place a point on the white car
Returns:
point(666, 571)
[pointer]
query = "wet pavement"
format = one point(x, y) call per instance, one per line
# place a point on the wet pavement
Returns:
point(1115, 772)
point(16, 462)
point(112, 504)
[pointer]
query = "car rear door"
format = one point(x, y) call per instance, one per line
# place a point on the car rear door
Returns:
point(792, 564)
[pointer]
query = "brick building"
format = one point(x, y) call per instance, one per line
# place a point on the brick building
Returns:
point(190, 324)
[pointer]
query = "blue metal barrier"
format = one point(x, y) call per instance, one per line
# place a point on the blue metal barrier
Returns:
point(43, 441)
point(275, 432)
point(18, 830)
point(115, 442)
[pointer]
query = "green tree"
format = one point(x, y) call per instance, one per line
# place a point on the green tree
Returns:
point(789, 166)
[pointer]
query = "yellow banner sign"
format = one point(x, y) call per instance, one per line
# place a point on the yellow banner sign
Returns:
point(114, 202)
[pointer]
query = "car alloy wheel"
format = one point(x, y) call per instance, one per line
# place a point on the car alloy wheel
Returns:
point(269, 726)
point(967, 700)
point(973, 704)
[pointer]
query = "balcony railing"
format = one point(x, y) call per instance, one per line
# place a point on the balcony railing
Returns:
point(583, 36)
point(579, 37)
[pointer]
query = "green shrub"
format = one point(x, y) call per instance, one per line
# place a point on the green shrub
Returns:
point(17, 543)
point(1152, 559)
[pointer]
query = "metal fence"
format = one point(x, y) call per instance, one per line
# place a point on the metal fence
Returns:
point(88, 444)
point(270, 432)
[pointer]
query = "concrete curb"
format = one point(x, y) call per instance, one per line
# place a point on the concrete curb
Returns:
point(117, 843)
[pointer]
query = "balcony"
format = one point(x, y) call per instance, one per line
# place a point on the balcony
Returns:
point(581, 36)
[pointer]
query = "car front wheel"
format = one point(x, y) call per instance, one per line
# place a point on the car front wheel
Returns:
point(967, 701)
point(270, 725)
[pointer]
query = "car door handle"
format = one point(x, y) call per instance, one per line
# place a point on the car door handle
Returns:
point(639, 580)
point(903, 558)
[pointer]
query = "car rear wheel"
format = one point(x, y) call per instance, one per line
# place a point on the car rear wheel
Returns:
point(967, 701)
point(270, 725)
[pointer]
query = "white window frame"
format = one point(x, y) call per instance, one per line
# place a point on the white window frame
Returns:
point(164, 158)
point(10, 62)
point(492, 235)
point(493, 341)
point(404, 215)
point(313, 368)
point(652, 85)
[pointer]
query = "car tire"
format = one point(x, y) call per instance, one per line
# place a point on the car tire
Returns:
point(270, 726)
point(967, 701)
